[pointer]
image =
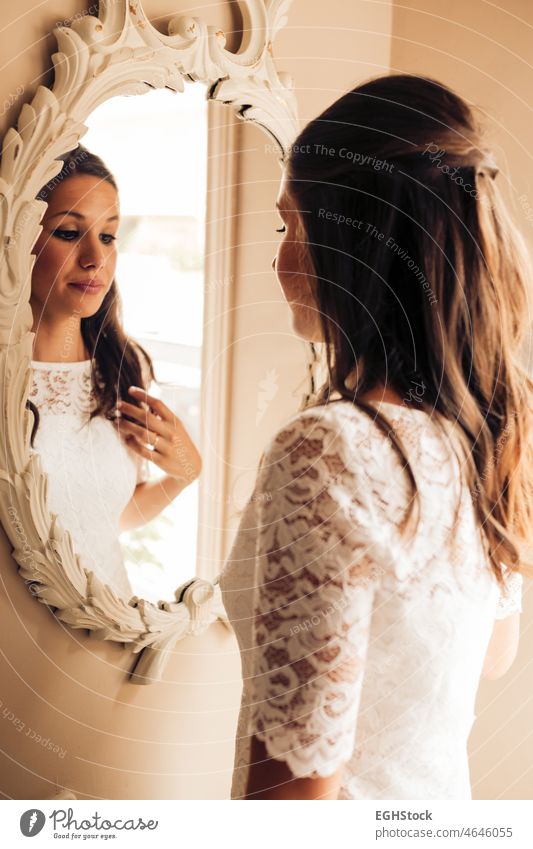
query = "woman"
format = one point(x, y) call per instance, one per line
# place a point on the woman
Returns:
point(367, 572)
point(86, 370)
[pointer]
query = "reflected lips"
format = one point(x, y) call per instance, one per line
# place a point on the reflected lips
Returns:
point(89, 287)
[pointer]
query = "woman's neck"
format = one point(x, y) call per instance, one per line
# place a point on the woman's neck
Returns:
point(378, 392)
point(382, 393)
point(59, 341)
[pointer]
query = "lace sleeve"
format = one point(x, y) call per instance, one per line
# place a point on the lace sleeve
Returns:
point(510, 600)
point(315, 593)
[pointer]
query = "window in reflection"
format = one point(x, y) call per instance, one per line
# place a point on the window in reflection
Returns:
point(156, 147)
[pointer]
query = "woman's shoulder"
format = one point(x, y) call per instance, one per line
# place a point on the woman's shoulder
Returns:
point(337, 421)
point(329, 436)
point(341, 435)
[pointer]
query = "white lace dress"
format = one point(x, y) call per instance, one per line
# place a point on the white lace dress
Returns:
point(356, 648)
point(92, 474)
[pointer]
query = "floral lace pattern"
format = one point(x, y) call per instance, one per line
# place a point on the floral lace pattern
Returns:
point(91, 473)
point(58, 390)
point(352, 639)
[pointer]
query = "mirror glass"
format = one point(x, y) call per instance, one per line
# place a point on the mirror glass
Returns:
point(155, 147)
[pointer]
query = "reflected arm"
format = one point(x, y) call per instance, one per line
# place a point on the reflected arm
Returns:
point(149, 499)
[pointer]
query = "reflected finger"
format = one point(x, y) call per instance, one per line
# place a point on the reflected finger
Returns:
point(158, 407)
point(149, 420)
point(142, 434)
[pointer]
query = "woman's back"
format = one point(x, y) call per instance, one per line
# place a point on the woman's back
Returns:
point(358, 647)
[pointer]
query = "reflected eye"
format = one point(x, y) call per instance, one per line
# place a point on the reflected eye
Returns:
point(70, 235)
point(281, 229)
point(67, 235)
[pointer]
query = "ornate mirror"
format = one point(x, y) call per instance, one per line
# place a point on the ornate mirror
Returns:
point(174, 275)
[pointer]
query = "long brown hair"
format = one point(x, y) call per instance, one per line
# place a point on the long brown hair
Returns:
point(117, 361)
point(422, 279)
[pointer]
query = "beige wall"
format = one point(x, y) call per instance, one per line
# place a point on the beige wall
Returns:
point(484, 52)
point(174, 739)
point(171, 740)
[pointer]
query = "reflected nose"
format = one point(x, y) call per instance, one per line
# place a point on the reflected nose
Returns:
point(274, 262)
point(91, 254)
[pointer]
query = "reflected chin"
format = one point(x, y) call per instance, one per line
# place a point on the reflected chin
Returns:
point(87, 302)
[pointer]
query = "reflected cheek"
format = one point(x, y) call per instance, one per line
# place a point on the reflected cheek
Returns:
point(110, 263)
point(107, 275)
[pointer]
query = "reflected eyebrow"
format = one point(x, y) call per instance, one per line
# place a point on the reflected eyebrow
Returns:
point(79, 215)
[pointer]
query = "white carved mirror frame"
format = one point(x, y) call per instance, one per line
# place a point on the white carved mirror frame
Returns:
point(117, 53)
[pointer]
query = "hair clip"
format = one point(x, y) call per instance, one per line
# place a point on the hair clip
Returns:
point(492, 172)
point(488, 167)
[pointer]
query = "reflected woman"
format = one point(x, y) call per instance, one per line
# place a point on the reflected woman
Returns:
point(367, 584)
point(96, 427)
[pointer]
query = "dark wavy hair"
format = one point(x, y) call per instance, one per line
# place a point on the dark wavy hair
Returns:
point(433, 286)
point(118, 362)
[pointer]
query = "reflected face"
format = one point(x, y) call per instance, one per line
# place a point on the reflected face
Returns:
point(294, 269)
point(76, 253)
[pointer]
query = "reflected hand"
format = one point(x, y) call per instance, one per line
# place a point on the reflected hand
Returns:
point(171, 449)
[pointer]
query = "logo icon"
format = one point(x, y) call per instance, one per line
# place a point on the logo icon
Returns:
point(32, 822)
point(267, 391)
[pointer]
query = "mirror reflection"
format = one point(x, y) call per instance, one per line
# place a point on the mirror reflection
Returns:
point(117, 303)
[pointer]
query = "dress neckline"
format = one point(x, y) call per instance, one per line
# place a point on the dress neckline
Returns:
point(80, 365)
point(394, 406)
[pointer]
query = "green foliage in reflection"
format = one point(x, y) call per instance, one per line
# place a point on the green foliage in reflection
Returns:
point(136, 543)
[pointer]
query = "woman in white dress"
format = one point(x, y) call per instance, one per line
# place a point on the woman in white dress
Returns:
point(366, 584)
point(96, 427)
